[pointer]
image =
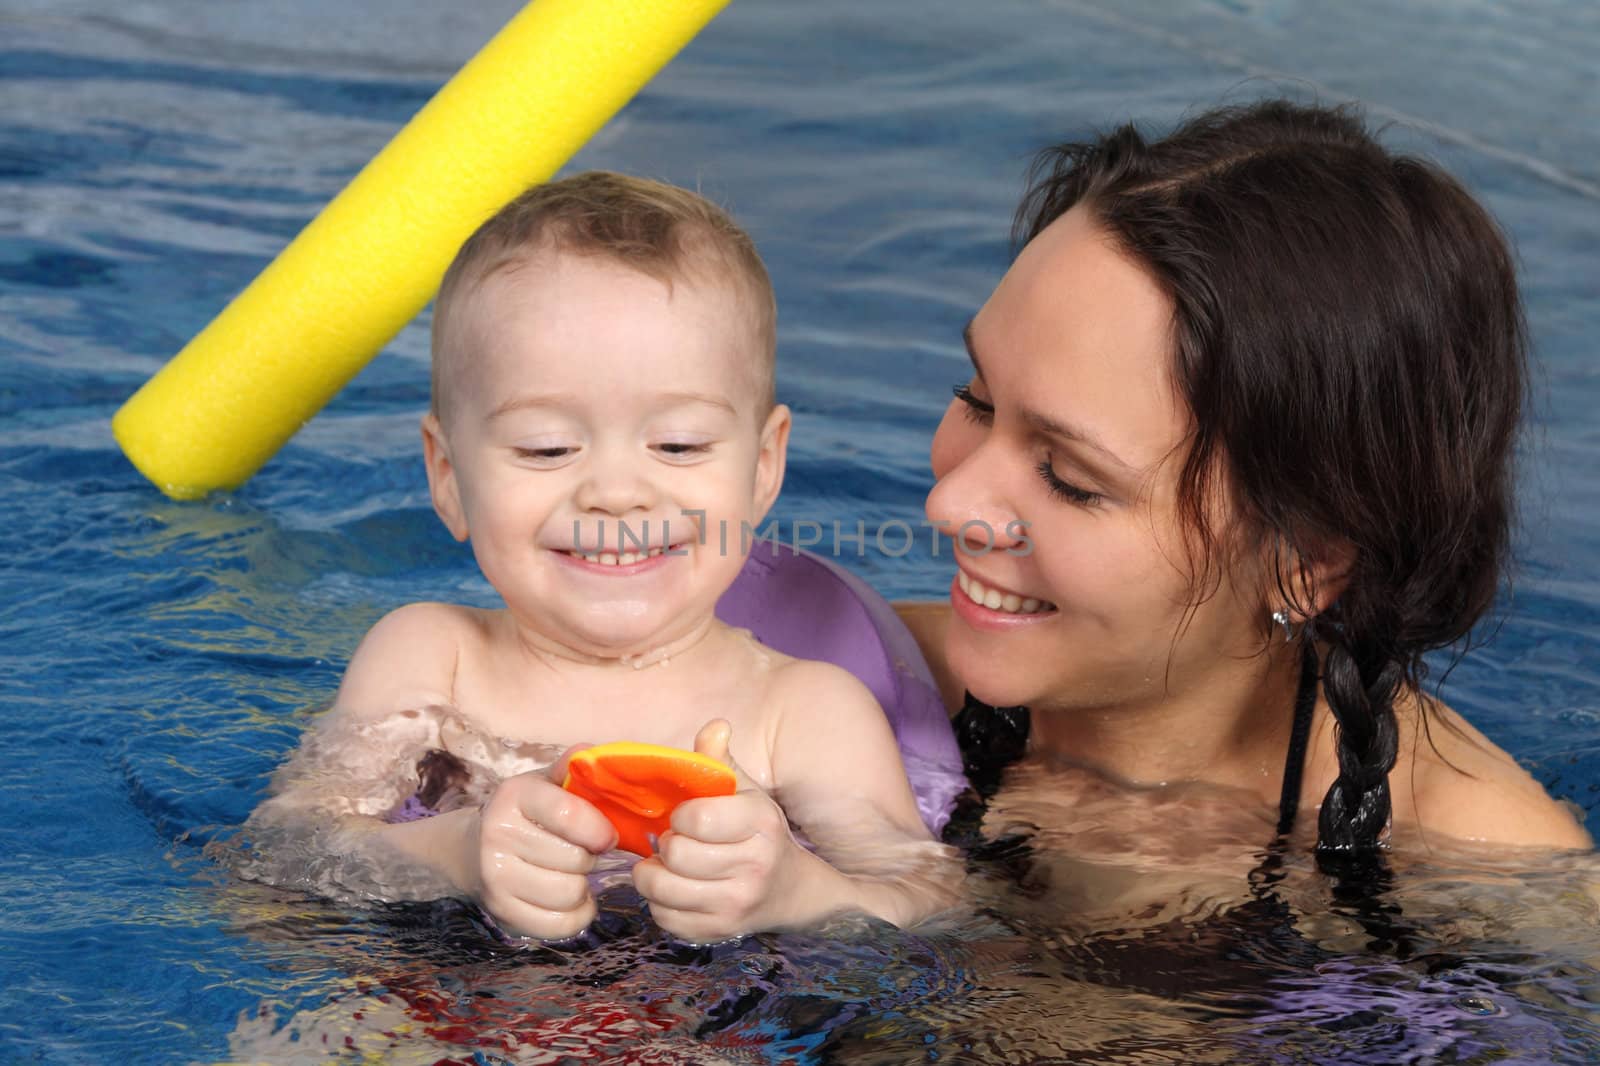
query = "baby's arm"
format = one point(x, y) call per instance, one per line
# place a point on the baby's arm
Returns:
point(325, 816)
point(730, 865)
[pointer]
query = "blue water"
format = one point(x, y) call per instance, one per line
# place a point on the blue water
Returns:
point(159, 658)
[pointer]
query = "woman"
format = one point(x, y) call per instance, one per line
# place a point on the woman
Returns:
point(1240, 430)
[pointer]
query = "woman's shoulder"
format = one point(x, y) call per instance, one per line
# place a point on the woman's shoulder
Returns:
point(1452, 779)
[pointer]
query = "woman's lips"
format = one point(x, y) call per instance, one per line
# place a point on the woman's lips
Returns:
point(978, 615)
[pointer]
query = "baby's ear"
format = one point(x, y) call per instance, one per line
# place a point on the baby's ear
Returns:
point(770, 461)
point(442, 477)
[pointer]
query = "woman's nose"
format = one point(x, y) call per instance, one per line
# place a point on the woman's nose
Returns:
point(968, 503)
point(955, 438)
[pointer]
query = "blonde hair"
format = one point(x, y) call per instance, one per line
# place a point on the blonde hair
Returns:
point(660, 230)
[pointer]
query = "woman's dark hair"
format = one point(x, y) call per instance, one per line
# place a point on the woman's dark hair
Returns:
point(1350, 342)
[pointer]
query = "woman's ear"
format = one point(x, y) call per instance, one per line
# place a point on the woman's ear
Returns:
point(1310, 578)
point(442, 477)
point(771, 460)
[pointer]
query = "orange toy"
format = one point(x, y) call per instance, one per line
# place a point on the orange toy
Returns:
point(637, 786)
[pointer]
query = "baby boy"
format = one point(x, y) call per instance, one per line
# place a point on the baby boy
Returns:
point(603, 431)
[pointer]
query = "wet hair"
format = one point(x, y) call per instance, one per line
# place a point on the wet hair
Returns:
point(1350, 343)
point(660, 230)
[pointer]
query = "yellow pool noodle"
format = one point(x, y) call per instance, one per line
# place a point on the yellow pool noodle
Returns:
point(374, 256)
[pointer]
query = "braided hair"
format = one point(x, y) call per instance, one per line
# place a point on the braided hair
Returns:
point(1350, 342)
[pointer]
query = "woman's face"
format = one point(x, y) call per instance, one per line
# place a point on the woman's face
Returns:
point(1062, 455)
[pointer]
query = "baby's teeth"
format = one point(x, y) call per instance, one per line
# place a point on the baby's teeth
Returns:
point(620, 559)
point(991, 599)
point(1009, 602)
point(1029, 606)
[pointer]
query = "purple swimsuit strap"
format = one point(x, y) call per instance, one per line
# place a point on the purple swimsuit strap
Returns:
point(412, 810)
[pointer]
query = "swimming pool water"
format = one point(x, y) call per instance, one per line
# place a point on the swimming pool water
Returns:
point(157, 659)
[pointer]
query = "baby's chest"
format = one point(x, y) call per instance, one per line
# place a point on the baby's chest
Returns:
point(653, 710)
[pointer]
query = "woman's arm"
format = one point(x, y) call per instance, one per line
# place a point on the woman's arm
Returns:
point(927, 620)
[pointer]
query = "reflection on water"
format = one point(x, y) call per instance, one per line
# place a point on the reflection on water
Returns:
point(158, 659)
point(1086, 941)
point(1469, 952)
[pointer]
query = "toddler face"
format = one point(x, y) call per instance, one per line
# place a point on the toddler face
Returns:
point(596, 410)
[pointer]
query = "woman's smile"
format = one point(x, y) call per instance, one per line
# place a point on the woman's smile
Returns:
point(992, 597)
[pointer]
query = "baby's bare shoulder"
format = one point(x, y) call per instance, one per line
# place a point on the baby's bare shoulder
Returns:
point(410, 658)
point(819, 699)
point(414, 619)
point(812, 681)
point(1466, 786)
point(835, 756)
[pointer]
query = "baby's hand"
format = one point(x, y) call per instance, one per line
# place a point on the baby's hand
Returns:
point(536, 843)
point(728, 865)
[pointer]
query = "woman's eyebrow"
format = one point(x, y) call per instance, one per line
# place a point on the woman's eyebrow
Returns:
point(1050, 427)
point(1045, 424)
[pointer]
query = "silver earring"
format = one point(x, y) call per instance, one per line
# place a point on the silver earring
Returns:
point(1281, 617)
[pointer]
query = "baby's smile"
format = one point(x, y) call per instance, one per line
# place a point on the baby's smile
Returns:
point(628, 561)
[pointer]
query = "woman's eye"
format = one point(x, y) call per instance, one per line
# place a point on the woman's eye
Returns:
point(979, 411)
point(1065, 490)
